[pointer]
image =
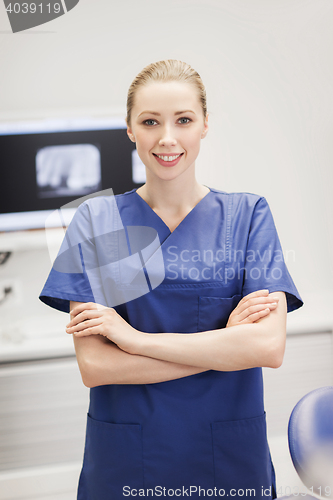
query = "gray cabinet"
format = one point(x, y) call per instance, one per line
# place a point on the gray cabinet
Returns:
point(43, 406)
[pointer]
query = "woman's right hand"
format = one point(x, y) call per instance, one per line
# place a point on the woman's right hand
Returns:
point(253, 307)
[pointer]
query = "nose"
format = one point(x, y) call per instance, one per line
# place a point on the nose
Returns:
point(167, 137)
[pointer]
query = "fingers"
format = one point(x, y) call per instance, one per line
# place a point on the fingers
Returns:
point(94, 330)
point(256, 308)
point(85, 305)
point(253, 307)
point(92, 320)
point(84, 316)
point(255, 299)
point(253, 318)
point(87, 327)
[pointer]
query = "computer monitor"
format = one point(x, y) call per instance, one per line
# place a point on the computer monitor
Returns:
point(46, 164)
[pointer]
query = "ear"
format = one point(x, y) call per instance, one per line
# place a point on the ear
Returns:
point(206, 127)
point(130, 134)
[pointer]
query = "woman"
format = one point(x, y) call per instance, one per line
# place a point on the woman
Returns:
point(180, 413)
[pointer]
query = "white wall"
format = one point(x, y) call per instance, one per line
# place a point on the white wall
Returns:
point(267, 66)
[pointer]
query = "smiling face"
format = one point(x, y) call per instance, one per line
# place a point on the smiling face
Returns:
point(167, 124)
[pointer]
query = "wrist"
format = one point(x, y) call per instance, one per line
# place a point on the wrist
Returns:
point(134, 342)
point(141, 342)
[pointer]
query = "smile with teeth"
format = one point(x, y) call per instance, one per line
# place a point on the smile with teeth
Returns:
point(168, 158)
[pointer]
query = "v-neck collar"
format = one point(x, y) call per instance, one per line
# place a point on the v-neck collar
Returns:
point(182, 221)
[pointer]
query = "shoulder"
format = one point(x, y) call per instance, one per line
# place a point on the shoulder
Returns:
point(102, 205)
point(243, 210)
point(96, 214)
point(237, 200)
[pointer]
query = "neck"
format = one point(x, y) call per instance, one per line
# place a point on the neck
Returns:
point(174, 196)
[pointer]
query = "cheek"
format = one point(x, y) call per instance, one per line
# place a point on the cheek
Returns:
point(144, 143)
point(140, 148)
point(143, 147)
point(194, 142)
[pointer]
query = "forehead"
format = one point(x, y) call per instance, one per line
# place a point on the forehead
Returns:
point(167, 96)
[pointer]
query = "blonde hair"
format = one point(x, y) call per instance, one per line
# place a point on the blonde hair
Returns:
point(164, 71)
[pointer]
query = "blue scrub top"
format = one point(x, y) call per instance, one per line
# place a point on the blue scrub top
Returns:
point(203, 431)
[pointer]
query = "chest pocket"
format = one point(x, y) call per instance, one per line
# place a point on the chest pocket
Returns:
point(214, 312)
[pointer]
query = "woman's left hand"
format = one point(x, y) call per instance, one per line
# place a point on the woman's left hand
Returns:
point(252, 308)
point(95, 319)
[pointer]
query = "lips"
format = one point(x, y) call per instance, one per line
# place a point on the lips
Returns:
point(168, 160)
point(168, 157)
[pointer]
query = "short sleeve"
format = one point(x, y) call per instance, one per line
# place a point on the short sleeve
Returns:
point(68, 279)
point(265, 266)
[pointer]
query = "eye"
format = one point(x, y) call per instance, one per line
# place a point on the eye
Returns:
point(184, 120)
point(149, 122)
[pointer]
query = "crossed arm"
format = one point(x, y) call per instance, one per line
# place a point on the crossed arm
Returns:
point(110, 351)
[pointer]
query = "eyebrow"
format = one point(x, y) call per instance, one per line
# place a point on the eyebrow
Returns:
point(158, 114)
